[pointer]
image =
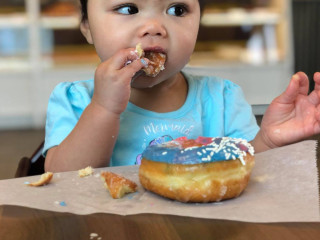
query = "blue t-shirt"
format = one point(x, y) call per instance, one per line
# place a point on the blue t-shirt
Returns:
point(214, 108)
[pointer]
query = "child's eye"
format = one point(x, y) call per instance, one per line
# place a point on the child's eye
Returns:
point(178, 10)
point(127, 9)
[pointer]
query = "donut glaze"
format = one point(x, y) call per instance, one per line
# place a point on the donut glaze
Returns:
point(200, 150)
point(200, 170)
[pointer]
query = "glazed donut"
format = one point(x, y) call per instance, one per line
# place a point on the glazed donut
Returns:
point(200, 170)
point(156, 61)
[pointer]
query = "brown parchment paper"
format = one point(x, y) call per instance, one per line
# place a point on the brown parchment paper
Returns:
point(283, 188)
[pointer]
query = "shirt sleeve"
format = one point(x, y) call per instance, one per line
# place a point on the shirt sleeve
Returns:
point(66, 104)
point(240, 121)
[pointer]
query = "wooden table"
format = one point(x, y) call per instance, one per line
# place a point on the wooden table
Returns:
point(26, 223)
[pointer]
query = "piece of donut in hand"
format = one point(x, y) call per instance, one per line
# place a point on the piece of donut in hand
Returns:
point(156, 61)
point(118, 185)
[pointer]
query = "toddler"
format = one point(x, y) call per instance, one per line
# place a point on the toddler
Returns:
point(109, 120)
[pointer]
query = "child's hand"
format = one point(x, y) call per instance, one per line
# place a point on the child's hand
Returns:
point(113, 78)
point(294, 115)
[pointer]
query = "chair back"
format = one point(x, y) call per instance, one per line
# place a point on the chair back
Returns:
point(33, 165)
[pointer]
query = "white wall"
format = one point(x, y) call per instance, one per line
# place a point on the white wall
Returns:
point(23, 102)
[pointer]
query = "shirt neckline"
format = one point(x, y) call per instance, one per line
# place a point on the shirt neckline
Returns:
point(188, 104)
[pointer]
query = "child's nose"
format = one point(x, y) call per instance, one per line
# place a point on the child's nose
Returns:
point(153, 28)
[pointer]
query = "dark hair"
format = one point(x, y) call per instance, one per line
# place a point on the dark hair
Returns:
point(84, 10)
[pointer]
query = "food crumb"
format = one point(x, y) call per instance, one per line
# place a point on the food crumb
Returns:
point(44, 179)
point(262, 178)
point(61, 203)
point(95, 235)
point(85, 172)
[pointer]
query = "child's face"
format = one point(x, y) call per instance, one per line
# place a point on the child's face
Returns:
point(158, 24)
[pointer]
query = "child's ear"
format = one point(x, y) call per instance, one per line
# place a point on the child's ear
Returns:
point(85, 29)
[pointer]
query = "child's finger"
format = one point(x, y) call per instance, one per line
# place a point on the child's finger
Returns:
point(303, 83)
point(317, 124)
point(292, 91)
point(135, 66)
point(123, 58)
point(314, 96)
point(299, 84)
point(316, 78)
point(317, 114)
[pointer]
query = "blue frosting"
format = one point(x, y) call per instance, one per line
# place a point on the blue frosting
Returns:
point(219, 149)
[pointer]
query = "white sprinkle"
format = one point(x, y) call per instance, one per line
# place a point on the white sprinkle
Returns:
point(190, 148)
point(242, 161)
point(204, 159)
point(164, 153)
point(227, 146)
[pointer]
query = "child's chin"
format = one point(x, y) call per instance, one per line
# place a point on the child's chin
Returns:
point(144, 81)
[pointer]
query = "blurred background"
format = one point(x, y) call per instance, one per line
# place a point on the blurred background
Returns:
point(257, 44)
